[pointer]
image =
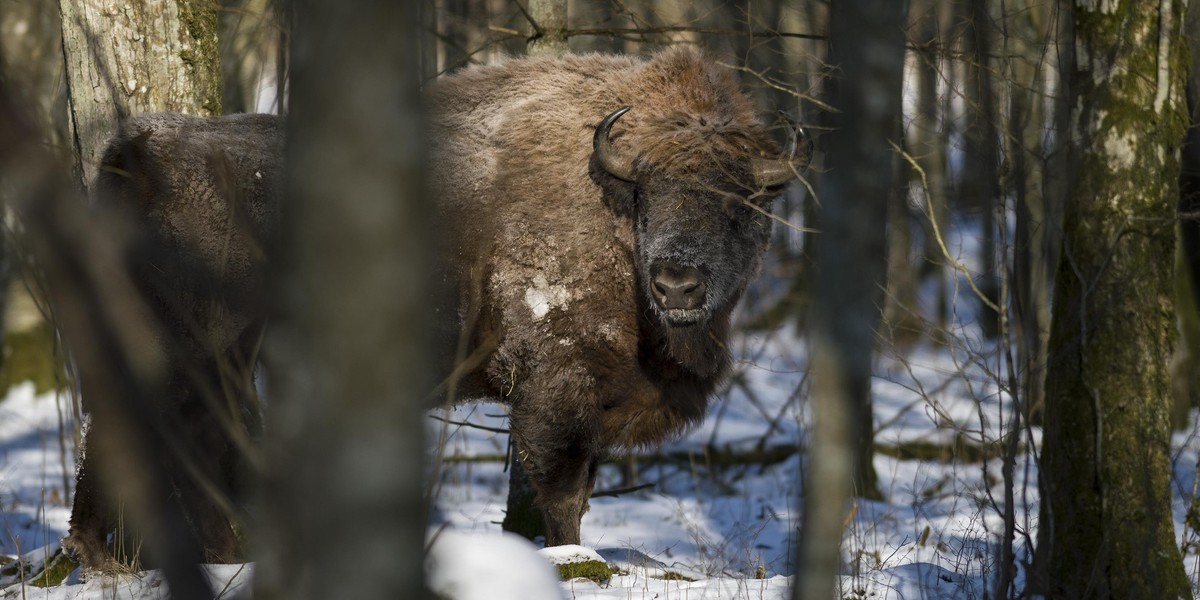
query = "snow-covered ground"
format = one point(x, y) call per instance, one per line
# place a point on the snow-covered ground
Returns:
point(706, 528)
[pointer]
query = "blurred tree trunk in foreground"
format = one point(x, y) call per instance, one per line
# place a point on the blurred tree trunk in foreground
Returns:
point(121, 60)
point(343, 514)
point(252, 40)
point(105, 322)
point(31, 62)
point(1106, 528)
point(31, 67)
point(128, 59)
point(867, 47)
point(521, 516)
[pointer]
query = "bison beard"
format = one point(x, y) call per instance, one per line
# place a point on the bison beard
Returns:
point(558, 204)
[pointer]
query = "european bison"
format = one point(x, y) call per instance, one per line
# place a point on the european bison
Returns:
point(605, 215)
point(600, 249)
point(197, 205)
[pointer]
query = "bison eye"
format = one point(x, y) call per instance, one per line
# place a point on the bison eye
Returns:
point(738, 207)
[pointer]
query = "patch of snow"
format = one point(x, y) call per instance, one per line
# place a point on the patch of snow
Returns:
point(227, 581)
point(569, 554)
point(542, 297)
point(466, 566)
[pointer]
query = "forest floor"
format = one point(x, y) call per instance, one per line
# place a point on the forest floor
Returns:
point(720, 518)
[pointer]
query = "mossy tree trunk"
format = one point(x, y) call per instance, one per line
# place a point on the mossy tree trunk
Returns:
point(1106, 527)
point(128, 58)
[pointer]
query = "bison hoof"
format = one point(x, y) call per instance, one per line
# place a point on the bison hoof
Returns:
point(93, 557)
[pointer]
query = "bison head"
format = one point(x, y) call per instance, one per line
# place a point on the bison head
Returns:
point(701, 216)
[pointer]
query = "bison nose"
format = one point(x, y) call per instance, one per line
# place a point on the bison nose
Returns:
point(679, 288)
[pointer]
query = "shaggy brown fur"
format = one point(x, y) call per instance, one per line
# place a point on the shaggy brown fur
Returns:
point(561, 253)
point(554, 266)
point(199, 202)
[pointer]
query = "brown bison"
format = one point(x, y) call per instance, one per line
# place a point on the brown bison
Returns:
point(195, 202)
point(604, 217)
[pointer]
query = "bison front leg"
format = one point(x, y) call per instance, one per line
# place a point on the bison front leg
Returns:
point(91, 520)
point(560, 460)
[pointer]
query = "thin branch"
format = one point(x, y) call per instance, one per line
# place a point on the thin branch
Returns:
point(469, 424)
point(937, 233)
point(619, 491)
point(774, 83)
point(643, 31)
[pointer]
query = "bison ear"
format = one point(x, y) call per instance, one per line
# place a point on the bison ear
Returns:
point(619, 196)
point(618, 164)
point(780, 171)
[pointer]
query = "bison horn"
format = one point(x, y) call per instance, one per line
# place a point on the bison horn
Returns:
point(613, 161)
point(776, 172)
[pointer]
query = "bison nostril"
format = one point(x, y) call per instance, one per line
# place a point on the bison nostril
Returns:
point(679, 288)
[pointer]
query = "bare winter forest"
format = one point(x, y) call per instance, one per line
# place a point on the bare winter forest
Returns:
point(968, 366)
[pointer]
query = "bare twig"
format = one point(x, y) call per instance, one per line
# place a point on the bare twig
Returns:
point(469, 424)
point(937, 233)
point(619, 491)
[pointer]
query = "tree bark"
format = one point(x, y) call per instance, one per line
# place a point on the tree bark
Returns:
point(1034, 235)
point(127, 58)
point(550, 22)
point(1106, 527)
point(1187, 360)
point(345, 515)
point(867, 49)
point(31, 63)
point(929, 150)
point(250, 55)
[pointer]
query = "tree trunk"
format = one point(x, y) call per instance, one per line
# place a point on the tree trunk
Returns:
point(31, 63)
point(866, 50)
point(1031, 251)
point(250, 56)
point(129, 58)
point(979, 183)
point(344, 515)
point(1106, 526)
point(31, 67)
point(1187, 360)
point(550, 22)
point(929, 149)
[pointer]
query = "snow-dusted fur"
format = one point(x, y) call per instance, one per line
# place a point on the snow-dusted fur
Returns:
point(555, 256)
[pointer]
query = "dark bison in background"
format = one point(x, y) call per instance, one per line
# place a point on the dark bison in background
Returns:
point(604, 217)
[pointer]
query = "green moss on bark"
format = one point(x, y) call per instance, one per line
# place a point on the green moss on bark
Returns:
point(594, 570)
point(521, 515)
point(1106, 527)
point(55, 572)
point(198, 25)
